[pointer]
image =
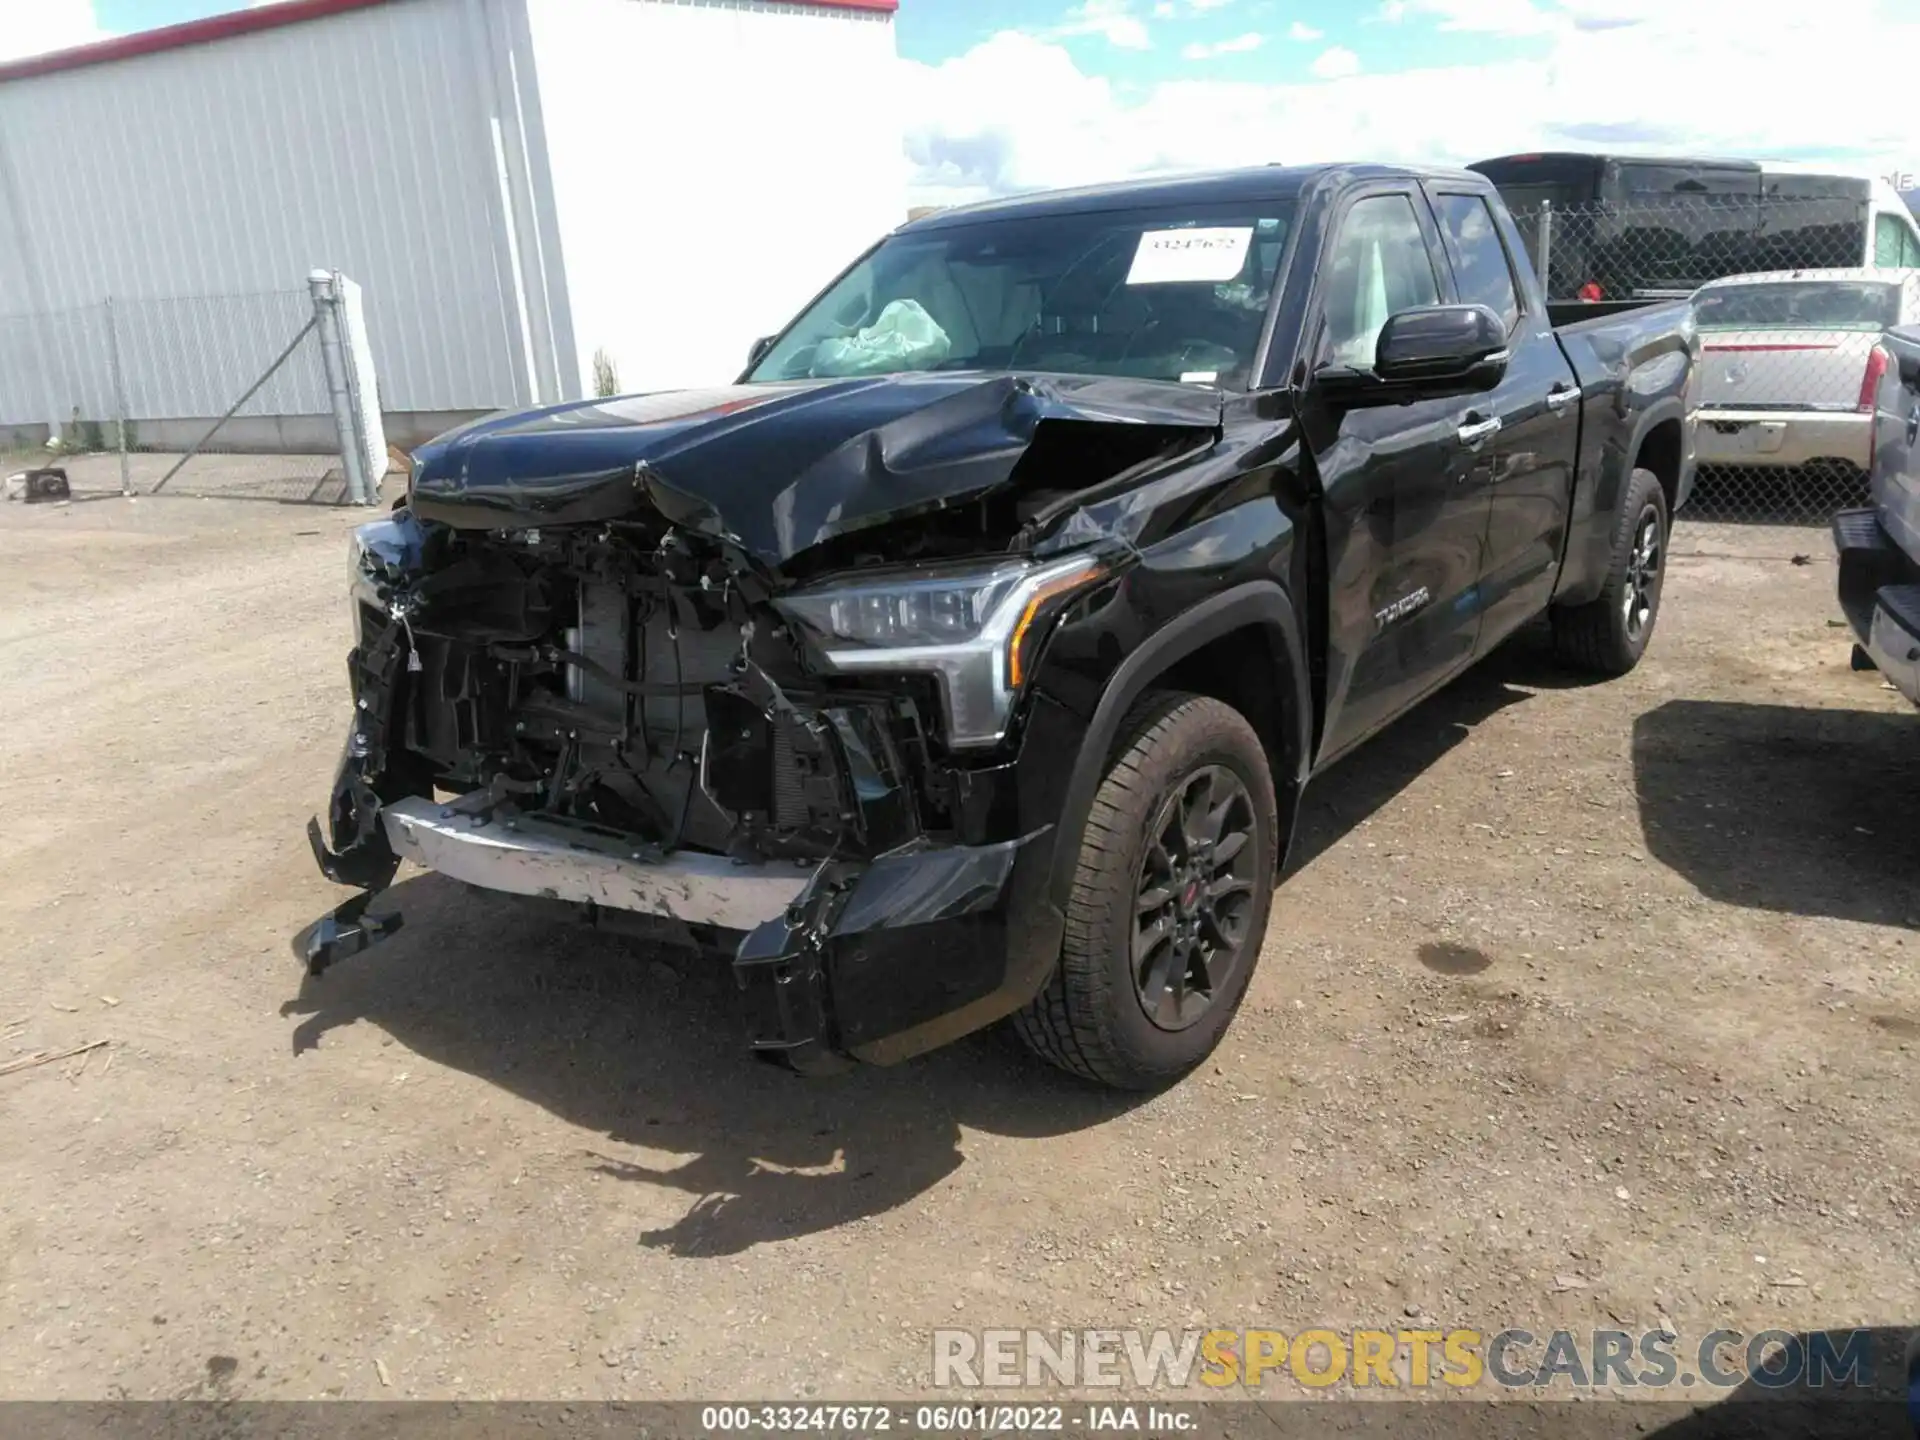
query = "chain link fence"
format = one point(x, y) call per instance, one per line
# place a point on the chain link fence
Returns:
point(1788, 369)
point(229, 396)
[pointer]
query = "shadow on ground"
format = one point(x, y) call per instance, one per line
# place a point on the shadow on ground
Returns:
point(1812, 1391)
point(1367, 780)
point(642, 1044)
point(1825, 1385)
point(1807, 811)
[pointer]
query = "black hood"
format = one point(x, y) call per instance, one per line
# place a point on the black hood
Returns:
point(775, 468)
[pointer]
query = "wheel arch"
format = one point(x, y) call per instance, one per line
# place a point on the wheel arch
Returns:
point(1656, 441)
point(1659, 445)
point(1205, 651)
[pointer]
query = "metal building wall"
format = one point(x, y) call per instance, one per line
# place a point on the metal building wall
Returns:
point(391, 142)
point(715, 163)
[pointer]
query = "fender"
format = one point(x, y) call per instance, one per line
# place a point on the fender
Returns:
point(1668, 407)
point(1589, 552)
point(1671, 407)
point(1261, 602)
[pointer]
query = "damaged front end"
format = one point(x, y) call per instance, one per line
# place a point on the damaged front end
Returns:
point(614, 700)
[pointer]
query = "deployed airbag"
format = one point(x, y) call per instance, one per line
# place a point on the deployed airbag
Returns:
point(905, 337)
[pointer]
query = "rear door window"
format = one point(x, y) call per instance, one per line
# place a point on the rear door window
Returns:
point(1482, 270)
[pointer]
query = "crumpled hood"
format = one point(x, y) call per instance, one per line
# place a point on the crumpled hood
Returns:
point(776, 468)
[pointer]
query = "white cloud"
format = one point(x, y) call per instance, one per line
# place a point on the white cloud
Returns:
point(1336, 63)
point(1112, 20)
point(37, 26)
point(1238, 45)
point(1560, 17)
point(1492, 17)
point(1304, 32)
point(1017, 113)
point(1187, 9)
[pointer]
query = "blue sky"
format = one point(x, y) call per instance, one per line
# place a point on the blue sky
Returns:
point(1292, 34)
point(1007, 94)
point(935, 30)
point(998, 95)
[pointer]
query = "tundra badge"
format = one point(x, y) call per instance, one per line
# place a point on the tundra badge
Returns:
point(1401, 608)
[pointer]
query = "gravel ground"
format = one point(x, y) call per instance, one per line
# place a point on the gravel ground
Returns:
point(211, 474)
point(1586, 1005)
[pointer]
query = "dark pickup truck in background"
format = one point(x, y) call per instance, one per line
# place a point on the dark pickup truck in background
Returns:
point(1879, 545)
point(1650, 225)
point(968, 658)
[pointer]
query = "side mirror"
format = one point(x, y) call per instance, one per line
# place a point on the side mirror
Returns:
point(1425, 354)
point(759, 350)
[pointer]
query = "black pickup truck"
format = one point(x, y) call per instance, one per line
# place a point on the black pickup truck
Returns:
point(968, 658)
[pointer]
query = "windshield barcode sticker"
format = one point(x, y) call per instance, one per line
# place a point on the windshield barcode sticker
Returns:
point(1191, 256)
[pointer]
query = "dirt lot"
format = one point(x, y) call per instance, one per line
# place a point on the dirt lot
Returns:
point(1585, 1006)
point(307, 479)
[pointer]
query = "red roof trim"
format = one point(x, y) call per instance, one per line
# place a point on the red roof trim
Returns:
point(264, 17)
point(173, 37)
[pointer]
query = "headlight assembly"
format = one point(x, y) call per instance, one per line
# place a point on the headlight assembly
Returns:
point(382, 555)
point(977, 630)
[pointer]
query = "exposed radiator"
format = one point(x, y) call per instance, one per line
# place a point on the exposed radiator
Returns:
point(789, 798)
point(601, 636)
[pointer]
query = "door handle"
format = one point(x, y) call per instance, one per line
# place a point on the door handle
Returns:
point(1475, 434)
point(1559, 399)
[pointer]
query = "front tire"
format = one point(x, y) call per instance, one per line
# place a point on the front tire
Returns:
point(1608, 635)
point(1170, 900)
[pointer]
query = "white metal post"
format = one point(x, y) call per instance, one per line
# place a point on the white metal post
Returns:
point(339, 391)
point(1546, 248)
point(363, 387)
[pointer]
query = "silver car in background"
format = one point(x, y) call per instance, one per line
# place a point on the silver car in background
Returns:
point(1791, 364)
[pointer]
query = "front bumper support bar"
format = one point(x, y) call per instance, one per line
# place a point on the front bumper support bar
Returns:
point(556, 859)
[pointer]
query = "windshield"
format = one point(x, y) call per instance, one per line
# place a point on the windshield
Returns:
point(1163, 294)
point(1811, 305)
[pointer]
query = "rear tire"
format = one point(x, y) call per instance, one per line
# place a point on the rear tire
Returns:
point(1170, 900)
point(1608, 635)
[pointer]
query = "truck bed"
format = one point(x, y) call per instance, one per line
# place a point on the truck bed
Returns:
point(1604, 348)
point(1573, 314)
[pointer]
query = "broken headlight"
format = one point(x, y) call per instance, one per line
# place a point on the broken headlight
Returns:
point(977, 630)
point(381, 556)
point(360, 569)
